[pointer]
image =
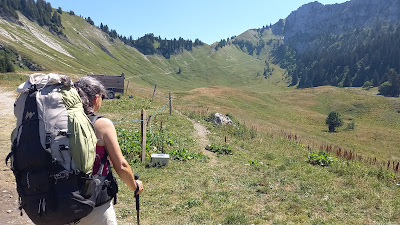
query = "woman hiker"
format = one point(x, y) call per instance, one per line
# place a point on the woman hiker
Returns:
point(92, 93)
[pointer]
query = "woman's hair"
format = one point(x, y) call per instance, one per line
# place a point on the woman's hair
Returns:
point(88, 88)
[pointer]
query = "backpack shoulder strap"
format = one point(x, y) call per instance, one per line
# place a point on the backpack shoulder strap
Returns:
point(93, 117)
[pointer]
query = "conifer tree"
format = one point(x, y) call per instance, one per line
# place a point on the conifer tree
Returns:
point(333, 121)
point(90, 21)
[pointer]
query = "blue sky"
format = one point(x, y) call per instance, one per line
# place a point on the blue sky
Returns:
point(208, 20)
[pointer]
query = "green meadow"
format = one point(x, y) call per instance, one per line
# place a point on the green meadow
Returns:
point(267, 178)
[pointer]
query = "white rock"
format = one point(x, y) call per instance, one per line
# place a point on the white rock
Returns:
point(222, 119)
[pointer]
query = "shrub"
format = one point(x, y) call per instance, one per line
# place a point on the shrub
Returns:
point(367, 85)
point(388, 89)
point(220, 149)
point(351, 126)
point(322, 159)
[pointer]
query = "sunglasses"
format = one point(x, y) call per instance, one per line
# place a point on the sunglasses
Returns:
point(103, 97)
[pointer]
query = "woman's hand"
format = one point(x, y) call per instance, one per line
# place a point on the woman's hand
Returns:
point(140, 184)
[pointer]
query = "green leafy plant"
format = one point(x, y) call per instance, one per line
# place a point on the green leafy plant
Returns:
point(183, 154)
point(351, 126)
point(322, 159)
point(162, 140)
point(156, 142)
point(254, 162)
point(129, 141)
point(220, 149)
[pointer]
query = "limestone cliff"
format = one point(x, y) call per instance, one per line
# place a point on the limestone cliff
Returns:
point(314, 19)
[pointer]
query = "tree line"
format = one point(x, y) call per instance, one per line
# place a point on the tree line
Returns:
point(223, 43)
point(354, 59)
point(150, 44)
point(6, 64)
point(38, 11)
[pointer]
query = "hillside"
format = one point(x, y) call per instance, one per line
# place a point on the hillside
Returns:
point(351, 44)
point(86, 49)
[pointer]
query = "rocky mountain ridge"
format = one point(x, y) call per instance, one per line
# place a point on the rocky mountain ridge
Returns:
point(314, 19)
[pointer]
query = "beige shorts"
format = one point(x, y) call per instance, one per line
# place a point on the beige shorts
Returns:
point(102, 215)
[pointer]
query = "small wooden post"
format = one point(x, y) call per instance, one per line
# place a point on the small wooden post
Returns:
point(127, 85)
point(170, 104)
point(143, 132)
point(155, 87)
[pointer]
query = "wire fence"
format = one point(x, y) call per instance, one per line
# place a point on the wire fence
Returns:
point(132, 121)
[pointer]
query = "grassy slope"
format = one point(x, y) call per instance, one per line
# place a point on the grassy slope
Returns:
point(200, 67)
point(281, 188)
point(303, 112)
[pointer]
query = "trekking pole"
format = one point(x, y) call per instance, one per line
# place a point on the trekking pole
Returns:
point(137, 200)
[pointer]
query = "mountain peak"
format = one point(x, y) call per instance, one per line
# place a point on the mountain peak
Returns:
point(313, 19)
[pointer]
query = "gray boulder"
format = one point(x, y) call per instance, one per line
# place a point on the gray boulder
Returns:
point(222, 119)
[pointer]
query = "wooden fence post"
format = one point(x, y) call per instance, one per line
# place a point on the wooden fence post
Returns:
point(155, 87)
point(143, 132)
point(127, 85)
point(170, 104)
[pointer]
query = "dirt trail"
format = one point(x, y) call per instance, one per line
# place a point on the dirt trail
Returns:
point(201, 134)
point(9, 213)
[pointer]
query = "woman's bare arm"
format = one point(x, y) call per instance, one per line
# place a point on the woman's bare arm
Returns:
point(105, 130)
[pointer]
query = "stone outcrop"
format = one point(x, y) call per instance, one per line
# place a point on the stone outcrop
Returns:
point(314, 19)
point(222, 119)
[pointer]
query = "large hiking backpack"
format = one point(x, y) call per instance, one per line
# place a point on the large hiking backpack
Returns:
point(53, 151)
